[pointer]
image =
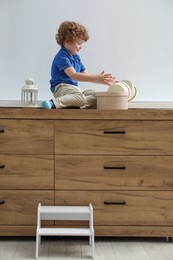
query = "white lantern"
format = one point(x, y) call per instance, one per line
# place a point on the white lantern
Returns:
point(29, 95)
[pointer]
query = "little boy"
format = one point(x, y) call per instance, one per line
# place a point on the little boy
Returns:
point(67, 69)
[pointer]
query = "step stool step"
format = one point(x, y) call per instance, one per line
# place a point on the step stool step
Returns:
point(64, 231)
point(64, 212)
point(64, 209)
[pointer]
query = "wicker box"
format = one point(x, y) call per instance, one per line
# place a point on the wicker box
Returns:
point(112, 101)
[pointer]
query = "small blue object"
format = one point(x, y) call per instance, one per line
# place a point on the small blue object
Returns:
point(46, 104)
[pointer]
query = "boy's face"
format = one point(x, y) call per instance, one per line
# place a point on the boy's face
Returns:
point(73, 47)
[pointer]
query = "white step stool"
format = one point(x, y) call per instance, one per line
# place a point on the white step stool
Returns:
point(64, 213)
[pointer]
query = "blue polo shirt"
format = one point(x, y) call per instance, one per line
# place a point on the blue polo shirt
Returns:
point(62, 61)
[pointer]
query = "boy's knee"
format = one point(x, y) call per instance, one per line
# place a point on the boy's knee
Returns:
point(81, 99)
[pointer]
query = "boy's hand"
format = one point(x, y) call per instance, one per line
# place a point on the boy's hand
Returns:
point(110, 82)
point(108, 78)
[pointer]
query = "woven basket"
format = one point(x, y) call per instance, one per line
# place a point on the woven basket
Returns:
point(112, 101)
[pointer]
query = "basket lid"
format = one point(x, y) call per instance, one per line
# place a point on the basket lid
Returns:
point(118, 87)
point(131, 87)
point(123, 86)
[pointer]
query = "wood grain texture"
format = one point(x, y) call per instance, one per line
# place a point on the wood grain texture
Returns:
point(147, 208)
point(26, 172)
point(26, 137)
point(121, 137)
point(74, 172)
point(56, 114)
point(20, 207)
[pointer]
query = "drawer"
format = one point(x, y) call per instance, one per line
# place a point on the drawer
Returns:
point(123, 207)
point(20, 207)
point(26, 172)
point(114, 137)
point(26, 137)
point(74, 172)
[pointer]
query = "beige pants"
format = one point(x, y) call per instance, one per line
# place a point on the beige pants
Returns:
point(67, 95)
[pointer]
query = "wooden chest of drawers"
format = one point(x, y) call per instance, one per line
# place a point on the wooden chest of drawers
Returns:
point(120, 161)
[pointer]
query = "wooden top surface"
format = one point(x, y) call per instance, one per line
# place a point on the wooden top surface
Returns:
point(130, 114)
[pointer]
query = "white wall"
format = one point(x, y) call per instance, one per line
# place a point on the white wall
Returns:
point(133, 39)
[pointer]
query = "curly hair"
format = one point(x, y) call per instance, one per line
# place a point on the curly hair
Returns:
point(70, 31)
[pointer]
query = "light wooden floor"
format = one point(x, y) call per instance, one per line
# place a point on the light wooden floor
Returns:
point(78, 248)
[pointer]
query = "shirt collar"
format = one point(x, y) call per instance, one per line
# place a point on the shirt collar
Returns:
point(73, 57)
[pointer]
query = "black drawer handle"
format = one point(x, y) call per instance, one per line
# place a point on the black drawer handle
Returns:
point(2, 166)
point(115, 167)
point(115, 132)
point(110, 202)
point(2, 130)
point(2, 202)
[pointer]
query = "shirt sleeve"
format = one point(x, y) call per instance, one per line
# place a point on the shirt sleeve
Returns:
point(63, 63)
point(82, 67)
